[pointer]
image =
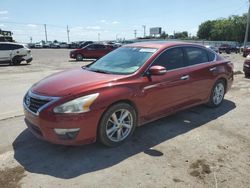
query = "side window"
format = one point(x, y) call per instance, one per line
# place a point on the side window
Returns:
point(196, 55)
point(6, 47)
point(171, 59)
point(15, 46)
point(211, 56)
point(91, 47)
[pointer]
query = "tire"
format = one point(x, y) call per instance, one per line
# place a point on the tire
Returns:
point(79, 57)
point(217, 94)
point(112, 130)
point(247, 75)
point(16, 61)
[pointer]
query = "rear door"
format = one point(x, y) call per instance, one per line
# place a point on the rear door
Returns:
point(202, 72)
point(101, 50)
point(90, 51)
point(5, 52)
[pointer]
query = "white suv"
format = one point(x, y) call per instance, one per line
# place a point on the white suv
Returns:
point(14, 53)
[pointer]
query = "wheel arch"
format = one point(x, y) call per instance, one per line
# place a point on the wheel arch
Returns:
point(225, 82)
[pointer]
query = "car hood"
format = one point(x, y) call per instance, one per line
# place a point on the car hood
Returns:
point(74, 81)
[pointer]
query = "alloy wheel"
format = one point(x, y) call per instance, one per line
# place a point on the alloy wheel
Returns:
point(119, 125)
point(218, 93)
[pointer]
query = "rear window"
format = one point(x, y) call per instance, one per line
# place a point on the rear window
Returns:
point(196, 55)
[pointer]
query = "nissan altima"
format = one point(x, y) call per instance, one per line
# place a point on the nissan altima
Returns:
point(129, 87)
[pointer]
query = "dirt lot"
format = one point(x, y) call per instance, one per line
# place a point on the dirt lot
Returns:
point(199, 147)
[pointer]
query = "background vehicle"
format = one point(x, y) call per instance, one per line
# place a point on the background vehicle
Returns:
point(91, 51)
point(213, 48)
point(38, 45)
point(47, 44)
point(14, 53)
point(63, 45)
point(246, 66)
point(246, 52)
point(128, 87)
point(226, 48)
point(55, 45)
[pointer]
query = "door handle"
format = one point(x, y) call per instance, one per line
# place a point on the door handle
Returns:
point(186, 77)
point(212, 69)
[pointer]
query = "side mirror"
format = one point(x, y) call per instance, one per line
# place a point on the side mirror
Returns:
point(157, 70)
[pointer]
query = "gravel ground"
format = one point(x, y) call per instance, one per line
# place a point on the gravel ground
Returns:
point(199, 147)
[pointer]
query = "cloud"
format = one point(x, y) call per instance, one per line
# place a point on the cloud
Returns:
point(115, 22)
point(2, 12)
point(103, 21)
point(93, 27)
point(32, 25)
point(2, 25)
point(4, 18)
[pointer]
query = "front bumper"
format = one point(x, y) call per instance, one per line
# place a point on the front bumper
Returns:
point(43, 126)
point(28, 58)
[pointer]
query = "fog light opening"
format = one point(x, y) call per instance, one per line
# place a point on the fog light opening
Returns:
point(67, 134)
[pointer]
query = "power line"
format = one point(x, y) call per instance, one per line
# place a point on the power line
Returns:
point(45, 30)
point(144, 30)
point(135, 33)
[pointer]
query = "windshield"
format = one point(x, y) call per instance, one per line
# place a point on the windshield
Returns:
point(124, 60)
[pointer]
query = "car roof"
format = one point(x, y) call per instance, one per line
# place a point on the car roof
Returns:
point(159, 44)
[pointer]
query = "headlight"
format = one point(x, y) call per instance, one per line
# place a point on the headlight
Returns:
point(246, 65)
point(78, 105)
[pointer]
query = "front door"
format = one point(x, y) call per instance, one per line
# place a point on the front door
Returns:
point(164, 92)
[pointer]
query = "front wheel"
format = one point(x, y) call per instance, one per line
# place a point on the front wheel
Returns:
point(117, 124)
point(217, 94)
point(79, 57)
point(16, 61)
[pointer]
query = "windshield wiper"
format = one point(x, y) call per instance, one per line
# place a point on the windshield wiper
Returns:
point(97, 70)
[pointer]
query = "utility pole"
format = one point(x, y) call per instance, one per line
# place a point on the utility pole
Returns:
point(45, 29)
point(144, 30)
point(30, 39)
point(247, 28)
point(135, 33)
point(99, 36)
point(68, 32)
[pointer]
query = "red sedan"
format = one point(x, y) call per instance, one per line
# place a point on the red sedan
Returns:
point(91, 51)
point(130, 86)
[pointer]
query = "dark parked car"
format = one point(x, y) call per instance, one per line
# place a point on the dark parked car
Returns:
point(128, 87)
point(246, 67)
point(226, 48)
point(92, 51)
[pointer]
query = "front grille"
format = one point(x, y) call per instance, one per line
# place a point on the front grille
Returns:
point(34, 104)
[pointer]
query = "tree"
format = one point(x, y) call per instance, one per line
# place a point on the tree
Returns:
point(181, 35)
point(164, 35)
point(224, 29)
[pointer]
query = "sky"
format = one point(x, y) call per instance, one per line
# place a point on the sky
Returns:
point(112, 19)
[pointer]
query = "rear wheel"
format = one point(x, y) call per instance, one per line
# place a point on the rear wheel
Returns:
point(217, 94)
point(79, 57)
point(117, 124)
